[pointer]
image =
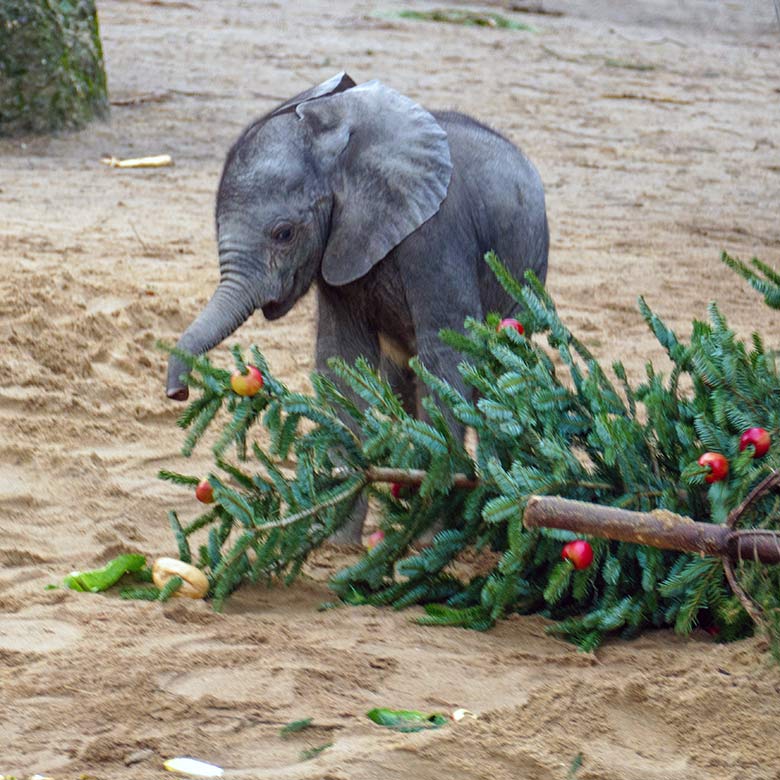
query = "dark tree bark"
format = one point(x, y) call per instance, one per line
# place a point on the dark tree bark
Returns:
point(52, 75)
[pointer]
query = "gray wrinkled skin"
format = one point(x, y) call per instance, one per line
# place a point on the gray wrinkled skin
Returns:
point(390, 209)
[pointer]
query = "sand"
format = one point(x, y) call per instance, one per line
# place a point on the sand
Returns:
point(654, 127)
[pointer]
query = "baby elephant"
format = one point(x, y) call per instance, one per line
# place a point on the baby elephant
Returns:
point(389, 208)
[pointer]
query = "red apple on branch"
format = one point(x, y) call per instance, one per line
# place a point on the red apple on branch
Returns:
point(759, 438)
point(247, 384)
point(717, 464)
point(399, 490)
point(511, 323)
point(579, 552)
point(204, 492)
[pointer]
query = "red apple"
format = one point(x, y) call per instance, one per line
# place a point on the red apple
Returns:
point(247, 384)
point(399, 490)
point(717, 464)
point(760, 440)
point(579, 552)
point(375, 539)
point(511, 323)
point(204, 492)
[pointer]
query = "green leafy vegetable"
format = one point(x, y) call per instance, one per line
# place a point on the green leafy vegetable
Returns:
point(98, 580)
point(406, 720)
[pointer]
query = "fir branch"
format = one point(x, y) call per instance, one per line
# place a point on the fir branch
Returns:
point(201, 522)
point(768, 483)
point(513, 288)
point(351, 489)
point(199, 423)
point(587, 438)
point(177, 479)
point(170, 588)
point(185, 554)
point(140, 594)
point(442, 615)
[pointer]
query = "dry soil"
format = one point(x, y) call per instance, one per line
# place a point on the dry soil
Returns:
point(655, 128)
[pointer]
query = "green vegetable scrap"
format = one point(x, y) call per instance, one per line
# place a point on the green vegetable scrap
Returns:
point(307, 755)
point(576, 765)
point(406, 720)
point(295, 726)
point(98, 580)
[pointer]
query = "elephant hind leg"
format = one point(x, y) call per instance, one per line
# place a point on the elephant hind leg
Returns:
point(402, 379)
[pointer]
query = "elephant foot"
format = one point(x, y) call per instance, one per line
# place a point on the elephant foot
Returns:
point(346, 540)
point(350, 534)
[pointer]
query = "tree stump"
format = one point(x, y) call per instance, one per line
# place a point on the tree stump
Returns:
point(52, 75)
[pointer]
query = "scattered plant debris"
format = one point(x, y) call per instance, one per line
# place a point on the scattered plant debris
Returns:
point(295, 726)
point(467, 18)
point(406, 720)
point(306, 755)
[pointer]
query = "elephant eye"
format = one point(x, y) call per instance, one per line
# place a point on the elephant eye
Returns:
point(283, 232)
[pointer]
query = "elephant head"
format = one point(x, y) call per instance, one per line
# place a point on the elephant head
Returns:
point(326, 185)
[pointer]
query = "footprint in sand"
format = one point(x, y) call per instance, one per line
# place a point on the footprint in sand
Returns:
point(272, 687)
point(36, 635)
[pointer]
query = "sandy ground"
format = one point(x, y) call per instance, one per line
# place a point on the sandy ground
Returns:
point(655, 128)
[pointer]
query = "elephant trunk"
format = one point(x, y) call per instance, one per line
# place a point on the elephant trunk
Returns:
point(228, 309)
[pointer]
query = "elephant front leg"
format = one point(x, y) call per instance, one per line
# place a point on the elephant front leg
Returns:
point(442, 361)
point(340, 333)
point(442, 293)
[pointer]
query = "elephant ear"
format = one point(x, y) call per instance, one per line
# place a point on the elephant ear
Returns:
point(338, 83)
point(389, 161)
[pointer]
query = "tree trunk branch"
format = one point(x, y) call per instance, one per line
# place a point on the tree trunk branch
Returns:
point(413, 477)
point(660, 528)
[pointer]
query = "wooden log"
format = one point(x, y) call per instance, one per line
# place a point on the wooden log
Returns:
point(660, 528)
point(414, 477)
point(408, 477)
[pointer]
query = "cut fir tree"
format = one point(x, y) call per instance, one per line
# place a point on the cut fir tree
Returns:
point(565, 431)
